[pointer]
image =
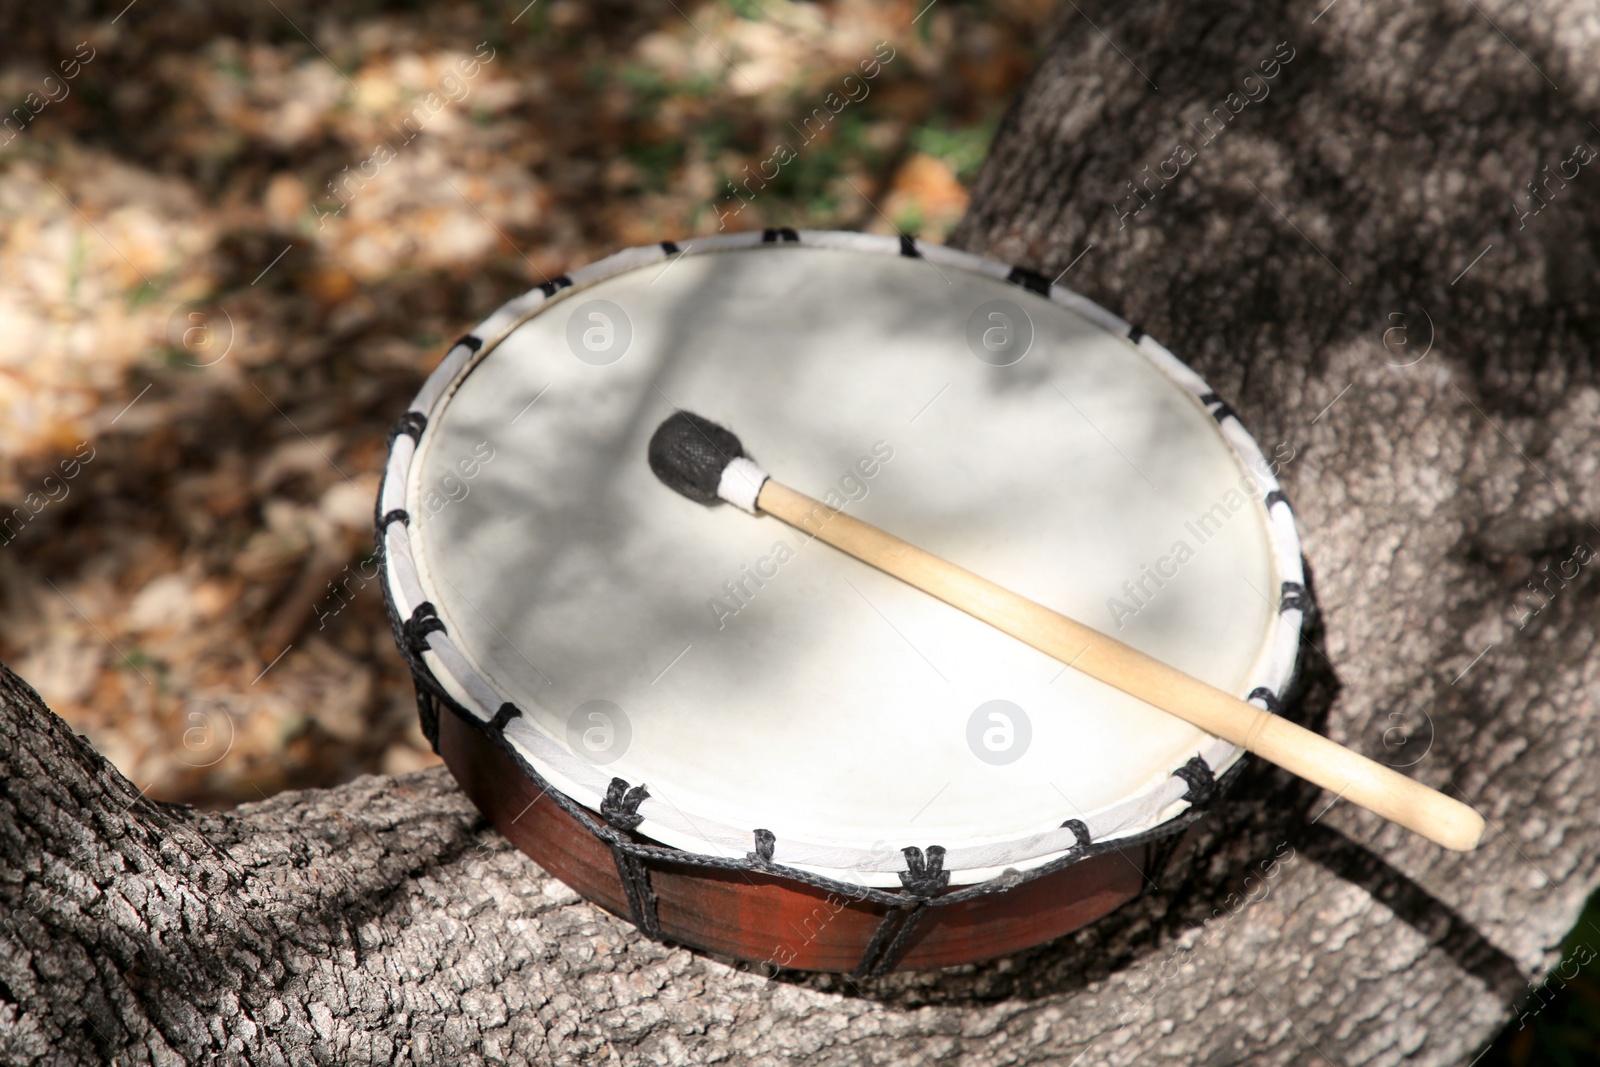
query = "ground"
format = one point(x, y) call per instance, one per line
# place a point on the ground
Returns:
point(235, 243)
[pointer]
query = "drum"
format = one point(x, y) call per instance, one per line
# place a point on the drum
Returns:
point(746, 742)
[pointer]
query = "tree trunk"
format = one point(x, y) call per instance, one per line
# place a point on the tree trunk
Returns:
point(1369, 208)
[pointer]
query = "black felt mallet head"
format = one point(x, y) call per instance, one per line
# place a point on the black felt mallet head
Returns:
point(704, 461)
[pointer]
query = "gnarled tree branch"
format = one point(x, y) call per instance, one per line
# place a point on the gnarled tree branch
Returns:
point(383, 922)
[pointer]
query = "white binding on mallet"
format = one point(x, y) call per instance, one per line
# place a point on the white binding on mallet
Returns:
point(706, 462)
point(741, 482)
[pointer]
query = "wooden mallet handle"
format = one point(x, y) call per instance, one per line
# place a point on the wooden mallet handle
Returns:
point(1294, 748)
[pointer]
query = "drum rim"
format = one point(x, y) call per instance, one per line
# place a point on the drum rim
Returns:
point(447, 673)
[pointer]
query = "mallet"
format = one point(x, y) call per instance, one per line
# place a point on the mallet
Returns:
point(706, 463)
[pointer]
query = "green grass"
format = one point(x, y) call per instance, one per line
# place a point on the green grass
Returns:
point(235, 70)
point(647, 83)
point(657, 162)
point(648, 87)
point(1559, 1024)
point(75, 265)
point(749, 10)
point(909, 219)
point(809, 181)
point(963, 148)
point(149, 292)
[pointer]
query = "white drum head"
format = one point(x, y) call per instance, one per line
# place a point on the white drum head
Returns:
point(752, 679)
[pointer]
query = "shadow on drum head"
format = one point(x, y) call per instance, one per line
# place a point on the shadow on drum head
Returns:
point(1266, 814)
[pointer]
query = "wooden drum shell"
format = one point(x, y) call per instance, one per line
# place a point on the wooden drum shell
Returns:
point(761, 917)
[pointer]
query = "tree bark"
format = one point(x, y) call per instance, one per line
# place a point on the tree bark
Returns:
point(383, 922)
